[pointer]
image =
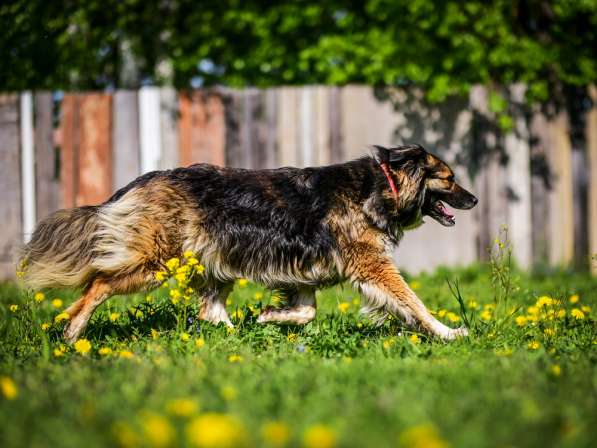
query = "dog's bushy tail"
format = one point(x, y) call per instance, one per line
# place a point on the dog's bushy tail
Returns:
point(61, 250)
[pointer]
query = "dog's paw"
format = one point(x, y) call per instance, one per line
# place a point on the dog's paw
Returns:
point(461, 332)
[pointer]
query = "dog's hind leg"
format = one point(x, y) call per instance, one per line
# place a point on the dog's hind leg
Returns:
point(213, 304)
point(100, 290)
point(301, 308)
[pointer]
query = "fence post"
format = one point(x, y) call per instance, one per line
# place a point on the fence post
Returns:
point(27, 164)
point(150, 137)
point(591, 138)
point(125, 138)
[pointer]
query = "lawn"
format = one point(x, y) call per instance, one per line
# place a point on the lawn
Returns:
point(149, 374)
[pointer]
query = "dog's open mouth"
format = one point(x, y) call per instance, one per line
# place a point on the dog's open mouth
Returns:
point(437, 210)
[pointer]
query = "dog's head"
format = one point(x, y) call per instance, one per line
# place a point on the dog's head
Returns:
point(431, 176)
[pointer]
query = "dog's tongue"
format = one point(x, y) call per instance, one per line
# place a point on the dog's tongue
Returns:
point(444, 211)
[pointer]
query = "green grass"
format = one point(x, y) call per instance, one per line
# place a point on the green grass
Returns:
point(368, 386)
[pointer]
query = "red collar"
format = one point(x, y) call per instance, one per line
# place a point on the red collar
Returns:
point(386, 171)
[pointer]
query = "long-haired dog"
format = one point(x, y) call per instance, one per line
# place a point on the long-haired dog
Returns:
point(290, 229)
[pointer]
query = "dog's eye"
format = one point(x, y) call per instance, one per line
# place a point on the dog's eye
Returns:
point(451, 178)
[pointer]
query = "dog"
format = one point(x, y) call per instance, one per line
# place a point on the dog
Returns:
point(290, 229)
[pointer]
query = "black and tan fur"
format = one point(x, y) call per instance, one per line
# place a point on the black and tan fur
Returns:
point(290, 229)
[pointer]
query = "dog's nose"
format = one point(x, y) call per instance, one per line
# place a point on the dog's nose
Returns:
point(475, 200)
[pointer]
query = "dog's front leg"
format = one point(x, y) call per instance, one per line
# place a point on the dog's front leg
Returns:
point(382, 285)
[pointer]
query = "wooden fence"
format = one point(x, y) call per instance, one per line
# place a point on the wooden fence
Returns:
point(67, 150)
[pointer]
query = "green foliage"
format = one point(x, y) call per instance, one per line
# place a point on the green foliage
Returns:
point(444, 47)
point(513, 382)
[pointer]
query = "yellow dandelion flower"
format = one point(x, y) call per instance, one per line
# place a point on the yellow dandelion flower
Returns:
point(59, 351)
point(172, 264)
point(521, 321)
point(125, 435)
point(160, 276)
point(238, 314)
point(62, 316)
point(39, 297)
point(45, 326)
point(126, 354)
point(258, 295)
point(114, 317)
point(13, 308)
point(486, 315)
point(235, 358)
point(415, 339)
point(182, 407)
point(82, 346)
point(533, 345)
point(489, 307)
point(561, 313)
point(586, 309)
point(387, 344)
point(544, 301)
point(192, 262)
point(105, 351)
point(414, 285)
point(472, 304)
point(154, 334)
point(228, 393)
point(188, 254)
point(185, 337)
point(175, 293)
point(356, 302)
point(292, 337)
point(199, 269)
point(533, 310)
point(549, 332)
point(9, 388)
point(157, 430)
point(319, 436)
point(343, 307)
point(453, 317)
point(213, 430)
point(441, 313)
point(275, 433)
point(555, 370)
point(137, 313)
point(200, 342)
point(506, 351)
point(181, 278)
point(57, 303)
point(425, 435)
point(577, 314)
point(574, 298)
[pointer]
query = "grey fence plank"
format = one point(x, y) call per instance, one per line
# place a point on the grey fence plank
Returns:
point(169, 116)
point(591, 137)
point(10, 184)
point(126, 159)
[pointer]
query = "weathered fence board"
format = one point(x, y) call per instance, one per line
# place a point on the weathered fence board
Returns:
point(169, 128)
point(27, 164)
point(287, 129)
point(150, 136)
point(591, 136)
point(10, 184)
point(47, 189)
point(126, 161)
point(69, 141)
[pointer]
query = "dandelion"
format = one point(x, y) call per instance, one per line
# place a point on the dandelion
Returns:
point(521, 321)
point(137, 313)
point(544, 301)
point(486, 315)
point(193, 262)
point(214, 430)
point(39, 297)
point(172, 264)
point(45, 326)
point(200, 269)
point(422, 436)
point(549, 332)
point(181, 278)
point(105, 351)
point(586, 309)
point(160, 276)
point(188, 254)
point(125, 435)
point(62, 316)
point(238, 314)
point(506, 351)
point(13, 308)
point(343, 307)
point(57, 303)
point(157, 429)
point(258, 295)
point(185, 337)
point(356, 302)
point(533, 310)
point(489, 307)
point(453, 317)
point(472, 304)
point(533, 345)
point(59, 351)
point(9, 388)
point(577, 314)
point(319, 436)
point(200, 342)
point(561, 313)
point(243, 282)
point(275, 433)
point(114, 317)
point(574, 298)
point(555, 370)
point(414, 339)
point(154, 334)
point(292, 337)
point(235, 358)
point(82, 346)
point(182, 407)
point(441, 313)
point(126, 354)
point(228, 393)
point(387, 344)
point(414, 285)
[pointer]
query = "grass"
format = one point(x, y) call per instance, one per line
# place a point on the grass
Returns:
point(525, 376)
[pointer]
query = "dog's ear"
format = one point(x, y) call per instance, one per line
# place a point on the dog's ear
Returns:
point(381, 154)
point(401, 154)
